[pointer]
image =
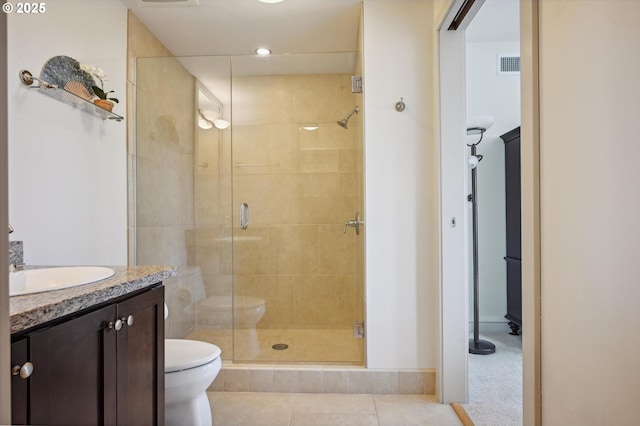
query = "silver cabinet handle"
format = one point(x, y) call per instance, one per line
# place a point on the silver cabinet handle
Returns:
point(117, 325)
point(23, 370)
point(355, 223)
point(244, 216)
point(120, 322)
point(128, 320)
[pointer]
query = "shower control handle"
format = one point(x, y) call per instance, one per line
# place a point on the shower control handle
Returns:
point(355, 223)
point(244, 216)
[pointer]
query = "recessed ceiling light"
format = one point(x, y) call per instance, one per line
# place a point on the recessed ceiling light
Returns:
point(270, 1)
point(263, 51)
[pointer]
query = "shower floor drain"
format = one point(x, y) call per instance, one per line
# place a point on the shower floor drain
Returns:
point(280, 346)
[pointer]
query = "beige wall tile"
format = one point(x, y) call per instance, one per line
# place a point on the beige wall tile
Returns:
point(328, 161)
point(336, 381)
point(276, 290)
point(430, 382)
point(218, 382)
point(293, 249)
point(347, 160)
point(310, 381)
point(251, 251)
point(285, 380)
point(335, 137)
point(261, 99)
point(319, 300)
point(411, 382)
point(336, 250)
point(308, 161)
point(317, 98)
point(385, 382)
point(360, 381)
point(236, 380)
point(261, 380)
point(272, 199)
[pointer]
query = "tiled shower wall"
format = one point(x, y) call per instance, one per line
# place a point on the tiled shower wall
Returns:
point(301, 186)
point(160, 134)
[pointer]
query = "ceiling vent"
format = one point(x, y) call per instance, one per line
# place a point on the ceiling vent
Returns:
point(508, 64)
point(168, 3)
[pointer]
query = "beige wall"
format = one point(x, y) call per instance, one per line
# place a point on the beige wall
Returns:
point(401, 181)
point(590, 235)
point(301, 186)
point(160, 155)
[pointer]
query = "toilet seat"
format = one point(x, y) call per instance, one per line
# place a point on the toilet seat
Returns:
point(180, 354)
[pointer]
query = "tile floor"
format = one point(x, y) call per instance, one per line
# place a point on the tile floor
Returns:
point(300, 409)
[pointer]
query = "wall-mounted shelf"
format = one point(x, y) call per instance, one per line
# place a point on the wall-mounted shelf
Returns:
point(69, 98)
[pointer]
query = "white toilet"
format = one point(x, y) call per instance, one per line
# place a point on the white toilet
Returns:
point(190, 367)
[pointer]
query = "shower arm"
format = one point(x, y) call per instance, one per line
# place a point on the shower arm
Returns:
point(353, 111)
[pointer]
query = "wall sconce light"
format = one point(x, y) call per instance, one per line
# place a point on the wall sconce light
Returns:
point(205, 122)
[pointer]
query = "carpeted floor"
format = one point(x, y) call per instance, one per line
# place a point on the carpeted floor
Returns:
point(495, 381)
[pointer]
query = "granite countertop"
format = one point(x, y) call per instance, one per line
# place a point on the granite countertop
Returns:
point(30, 310)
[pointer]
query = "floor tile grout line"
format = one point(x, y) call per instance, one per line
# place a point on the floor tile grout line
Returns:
point(293, 408)
point(375, 407)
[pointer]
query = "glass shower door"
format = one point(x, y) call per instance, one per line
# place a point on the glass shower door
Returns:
point(297, 178)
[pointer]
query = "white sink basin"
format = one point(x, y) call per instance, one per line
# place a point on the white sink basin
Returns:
point(48, 279)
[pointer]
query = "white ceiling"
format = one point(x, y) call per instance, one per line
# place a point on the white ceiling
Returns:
point(238, 27)
point(496, 21)
point(203, 34)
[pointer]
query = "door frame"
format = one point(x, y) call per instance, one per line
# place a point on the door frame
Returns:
point(5, 382)
point(454, 268)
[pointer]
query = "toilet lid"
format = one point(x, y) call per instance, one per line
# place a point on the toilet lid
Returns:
point(225, 303)
point(180, 354)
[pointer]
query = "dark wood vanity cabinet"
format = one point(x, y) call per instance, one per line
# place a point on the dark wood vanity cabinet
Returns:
point(104, 366)
point(19, 390)
point(513, 256)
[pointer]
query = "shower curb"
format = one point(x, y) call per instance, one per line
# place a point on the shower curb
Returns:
point(323, 379)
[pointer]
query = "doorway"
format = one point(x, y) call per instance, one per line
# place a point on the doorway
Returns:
point(492, 77)
point(455, 213)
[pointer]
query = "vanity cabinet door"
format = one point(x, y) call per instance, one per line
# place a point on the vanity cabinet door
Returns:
point(19, 395)
point(141, 360)
point(103, 367)
point(74, 376)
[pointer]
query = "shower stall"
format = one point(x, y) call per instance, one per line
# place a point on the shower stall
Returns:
point(245, 174)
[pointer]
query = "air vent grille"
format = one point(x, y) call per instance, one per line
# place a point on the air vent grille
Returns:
point(508, 64)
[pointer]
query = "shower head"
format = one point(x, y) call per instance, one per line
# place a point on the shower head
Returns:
point(343, 123)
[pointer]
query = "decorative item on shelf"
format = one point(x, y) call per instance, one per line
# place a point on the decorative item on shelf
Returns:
point(65, 72)
point(104, 100)
point(67, 80)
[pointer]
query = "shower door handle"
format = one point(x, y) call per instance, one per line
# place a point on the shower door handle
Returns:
point(356, 223)
point(244, 216)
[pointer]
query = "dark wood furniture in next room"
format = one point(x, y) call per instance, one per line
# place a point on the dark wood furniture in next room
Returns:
point(513, 256)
